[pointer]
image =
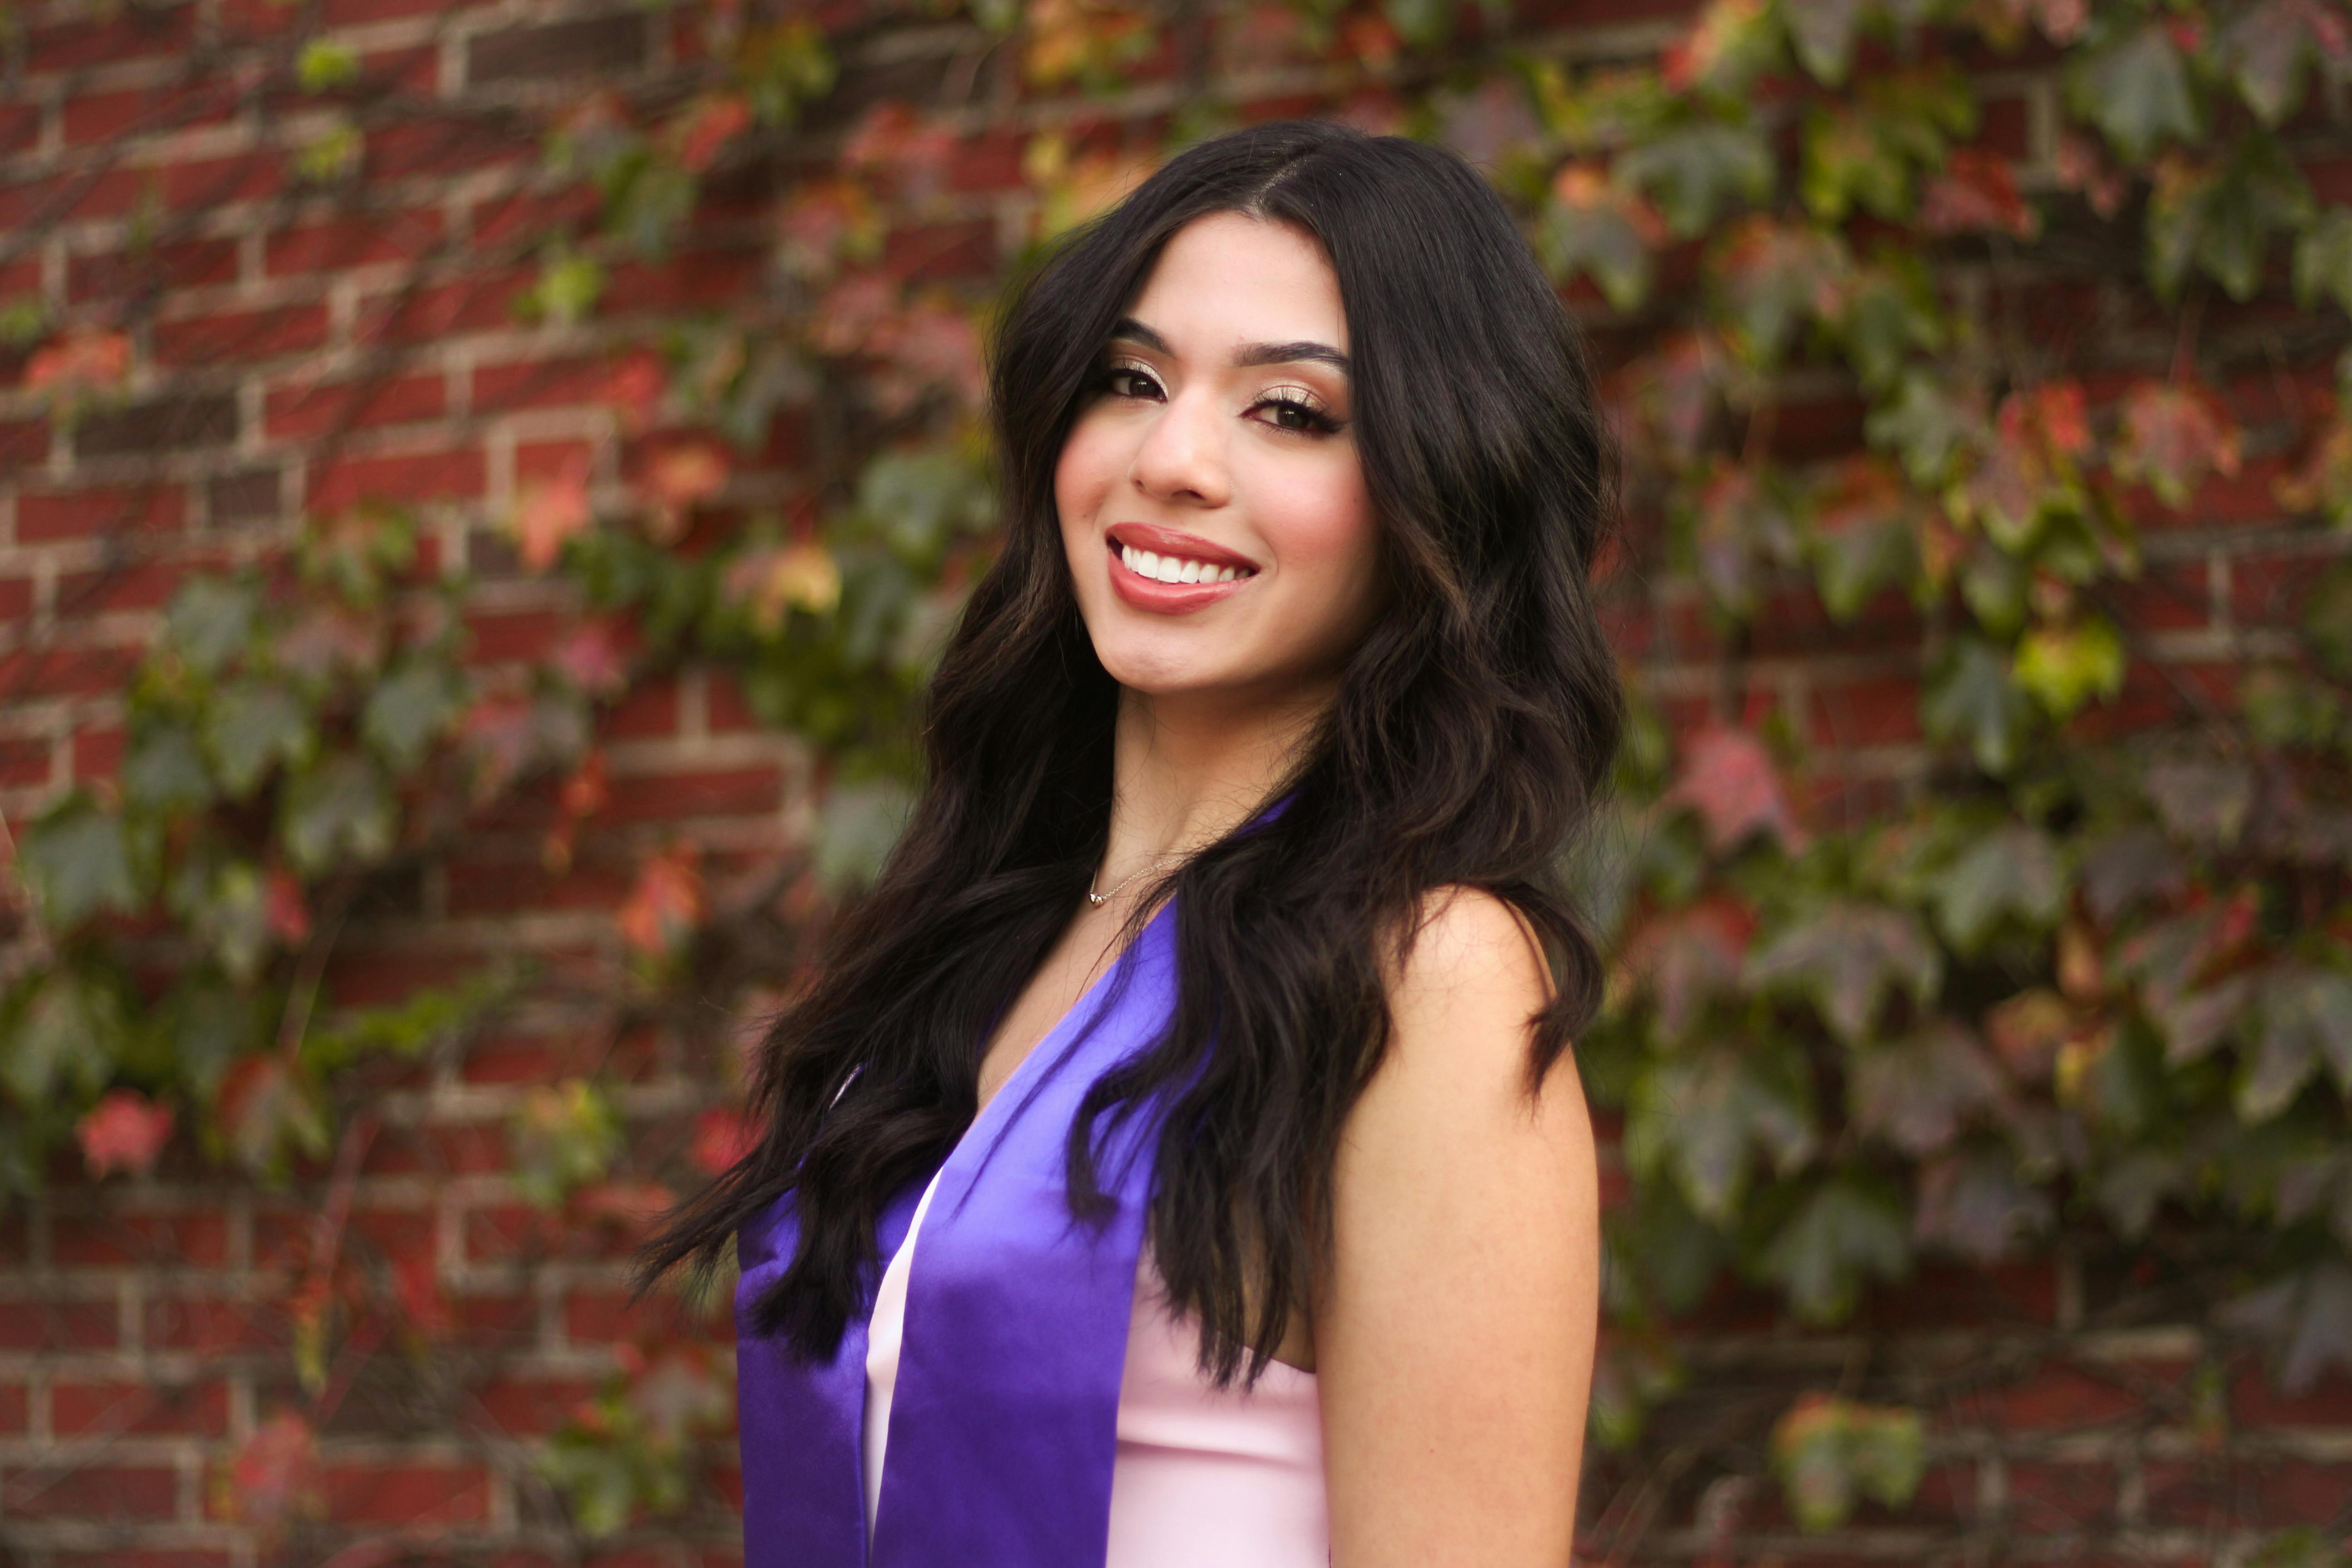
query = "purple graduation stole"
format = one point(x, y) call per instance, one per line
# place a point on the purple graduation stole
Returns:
point(1004, 1418)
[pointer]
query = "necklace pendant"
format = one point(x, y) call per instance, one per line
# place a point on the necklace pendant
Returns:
point(1100, 899)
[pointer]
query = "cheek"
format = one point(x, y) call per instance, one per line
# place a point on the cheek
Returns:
point(1324, 528)
point(1084, 472)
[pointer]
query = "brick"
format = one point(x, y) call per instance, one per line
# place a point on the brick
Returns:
point(339, 244)
point(550, 50)
point(713, 793)
point(538, 383)
point(109, 38)
point(234, 336)
point(213, 1325)
point(2055, 1397)
point(410, 479)
point(647, 710)
point(45, 516)
point(146, 111)
point(100, 1493)
point(15, 1408)
point(513, 218)
point(96, 753)
point(141, 586)
point(26, 759)
point(170, 265)
point(2056, 1499)
point(197, 1238)
point(174, 422)
point(54, 671)
point(110, 1409)
point(527, 1407)
point(408, 1495)
point(480, 884)
point(482, 302)
point(309, 413)
point(250, 495)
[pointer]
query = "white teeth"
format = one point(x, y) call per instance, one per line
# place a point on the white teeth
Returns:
point(1174, 568)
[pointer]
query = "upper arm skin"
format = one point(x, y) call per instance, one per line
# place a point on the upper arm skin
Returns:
point(1454, 1341)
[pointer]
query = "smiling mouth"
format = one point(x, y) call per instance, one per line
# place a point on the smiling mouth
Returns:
point(1177, 568)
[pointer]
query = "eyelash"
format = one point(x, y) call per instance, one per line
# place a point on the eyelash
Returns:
point(1318, 422)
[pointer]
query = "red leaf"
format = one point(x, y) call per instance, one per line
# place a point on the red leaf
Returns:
point(2080, 166)
point(677, 477)
point(722, 1136)
point(1976, 193)
point(2174, 437)
point(124, 1131)
point(549, 511)
point(275, 1477)
point(1729, 780)
point(288, 914)
point(704, 131)
point(590, 657)
point(636, 386)
point(666, 902)
point(80, 362)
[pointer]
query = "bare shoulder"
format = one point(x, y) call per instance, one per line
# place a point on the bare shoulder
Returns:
point(1470, 981)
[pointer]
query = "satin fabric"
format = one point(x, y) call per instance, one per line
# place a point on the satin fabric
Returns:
point(1003, 1424)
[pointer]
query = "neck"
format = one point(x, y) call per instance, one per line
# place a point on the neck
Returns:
point(1187, 769)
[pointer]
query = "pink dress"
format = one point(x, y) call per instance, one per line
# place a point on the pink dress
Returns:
point(1203, 1479)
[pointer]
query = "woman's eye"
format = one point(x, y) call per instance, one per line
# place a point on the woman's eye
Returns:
point(1124, 381)
point(1295, 414)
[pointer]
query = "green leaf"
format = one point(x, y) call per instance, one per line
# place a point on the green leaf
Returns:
point(324, 65)
point(2064, 667)
point(2323, 259)
point(2327, 620)
point(2263, 48)
point(1971, 698)
point(1692, 172)
point(1888, 312)
point(408, 711)
point(1421, 24)
point(857, 828)
point(2011, 871)
point(1591, 228)
point(2203, 800)
point(62, 1037)
point(2304, 1320)
point(1825, 32)
point(1916, 1093)
point(163, 770)
point(568, 287)
point(77, 860)
point(1829, 1452)
point(340, 811)
point(1976, 1203)
point(2135, 90)
point(1703, 1120)
point(1846, 1231)
point(1846, 957)
point(251, 725)
point(564, 1136)
point(2305, 1022)
point(209, 621)
point(1925, 424)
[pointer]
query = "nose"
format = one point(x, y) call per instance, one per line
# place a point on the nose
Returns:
point(1182, 458)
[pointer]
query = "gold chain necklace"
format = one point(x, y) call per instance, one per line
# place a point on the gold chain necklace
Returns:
point(1098, 900)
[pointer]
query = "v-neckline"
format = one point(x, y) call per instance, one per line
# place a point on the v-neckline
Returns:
point(1021, 1068)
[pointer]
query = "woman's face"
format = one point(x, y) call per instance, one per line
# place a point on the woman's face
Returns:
point(1212, 500)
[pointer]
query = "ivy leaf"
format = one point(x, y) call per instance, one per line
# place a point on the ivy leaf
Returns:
point(667, 901)
point(63, 1036)
point(163, 770)
point(2304, 1318)
point(2263, 48)
point(2135, 91)
point(2323, 259)
point(77, 861)
point(1916, 1093)
point(1846, 1230)
point(565, 1136)
point(2127, 866)
point(2135, 1187)
point(1971, 698)
point(1829, 1453)
point(268, 1110)
point(1846, 955)
point(1771, 277)
point(408, 711)
point(2012, 871)
point(274, 1478)
point(1864, 535)
point(2193, 1023)
point(124, 1132)
point(209, 621)
point(2203, 800)
point(1593, 227)
point(2306, 1021)
point(1974, 1203)
point(1825, 32)
point(2327, 620)
point(1631, 1372)
point(1728, 777)
point(1739, 527)
point(251, 725)
point(1977, 193)
point(1692, 172)
point(1703, 1120)
point(2064, 667)
point(341, 811)
point(2173, 436)
point(1924, 424)
point(2219, 216)
point(1685, 958)
point(1886, 313)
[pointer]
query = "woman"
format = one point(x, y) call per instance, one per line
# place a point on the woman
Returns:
point(1206, 1028)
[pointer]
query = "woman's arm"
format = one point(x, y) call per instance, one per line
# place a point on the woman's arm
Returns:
point(1453, 1347)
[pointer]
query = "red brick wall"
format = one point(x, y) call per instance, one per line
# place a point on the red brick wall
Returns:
point(298, 350)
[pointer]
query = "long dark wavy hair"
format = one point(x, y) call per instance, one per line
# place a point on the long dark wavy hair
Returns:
point(1473, 728)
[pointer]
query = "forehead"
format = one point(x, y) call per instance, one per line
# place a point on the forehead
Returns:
point(1225, 279)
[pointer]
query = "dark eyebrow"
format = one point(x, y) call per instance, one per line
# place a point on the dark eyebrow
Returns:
point(1249, 355)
